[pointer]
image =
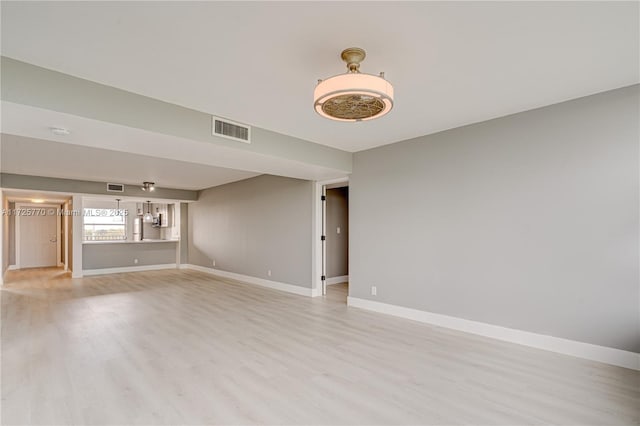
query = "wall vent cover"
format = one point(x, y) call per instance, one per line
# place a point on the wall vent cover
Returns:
point(231, 130)
point(115, 187)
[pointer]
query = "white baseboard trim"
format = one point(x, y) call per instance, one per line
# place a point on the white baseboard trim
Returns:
point(275, 285)
point(540, 341)
point(12, 268)
point(89, 272)
point(337, 280)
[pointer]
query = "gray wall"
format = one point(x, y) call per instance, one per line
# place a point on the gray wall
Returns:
point(9, 243)
point(117, 255)
point(528, 221)
point(254, 225)
point(43, 183)
point(337, 244)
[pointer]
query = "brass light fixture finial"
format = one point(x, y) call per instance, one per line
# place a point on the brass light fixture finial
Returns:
point(353, 56)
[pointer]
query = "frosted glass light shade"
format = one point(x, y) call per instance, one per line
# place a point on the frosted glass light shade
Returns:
point(353, 97)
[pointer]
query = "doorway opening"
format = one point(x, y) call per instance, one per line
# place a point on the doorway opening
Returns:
point(36, 231)
point(38, 242)
point(332, 249)
point(337, 241)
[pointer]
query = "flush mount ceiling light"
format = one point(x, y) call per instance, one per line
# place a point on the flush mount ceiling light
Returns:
point(60, 131)
point(353, 96)
point(148, 186)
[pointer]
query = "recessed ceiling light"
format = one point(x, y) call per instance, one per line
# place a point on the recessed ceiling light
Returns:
point(37, 201)
point(60, 131)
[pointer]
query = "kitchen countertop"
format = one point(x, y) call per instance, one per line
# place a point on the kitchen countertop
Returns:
point(146, 241)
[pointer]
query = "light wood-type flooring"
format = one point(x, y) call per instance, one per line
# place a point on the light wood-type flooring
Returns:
point(183, 347)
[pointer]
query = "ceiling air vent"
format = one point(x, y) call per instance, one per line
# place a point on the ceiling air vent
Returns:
point(115, 187)
point(231, 130)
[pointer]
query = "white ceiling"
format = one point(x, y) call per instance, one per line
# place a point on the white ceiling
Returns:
point(452, 63)
point(188, 164)
point(40, 157)
point(21, 196)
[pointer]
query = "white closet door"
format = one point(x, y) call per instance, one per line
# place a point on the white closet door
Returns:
point(38, 241)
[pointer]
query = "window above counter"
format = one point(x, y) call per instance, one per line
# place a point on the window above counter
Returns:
point(107, 220)
point(105, 224)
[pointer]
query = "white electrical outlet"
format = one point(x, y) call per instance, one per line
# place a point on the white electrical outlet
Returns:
point(374, 290)
point(214, 263)
point(338, 230)
point(135, 260)
point(269, 272)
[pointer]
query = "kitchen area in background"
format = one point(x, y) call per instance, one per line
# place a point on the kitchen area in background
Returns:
point(130, 234)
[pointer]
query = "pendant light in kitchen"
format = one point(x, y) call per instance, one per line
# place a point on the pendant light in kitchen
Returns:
point(148, 217)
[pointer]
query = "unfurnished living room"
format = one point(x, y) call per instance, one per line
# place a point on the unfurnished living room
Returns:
point(320, 213)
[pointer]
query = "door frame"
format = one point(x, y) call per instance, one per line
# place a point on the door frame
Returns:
point(67, 222)
point(19, 237)
point(319, 224)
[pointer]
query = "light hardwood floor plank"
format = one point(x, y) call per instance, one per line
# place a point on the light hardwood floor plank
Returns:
point(183, 347)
